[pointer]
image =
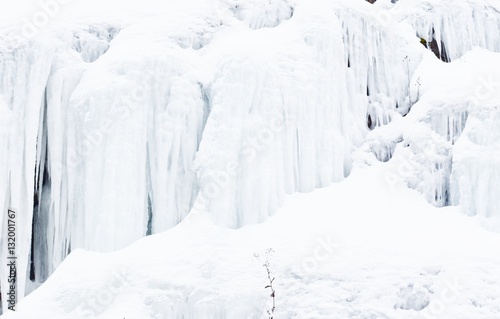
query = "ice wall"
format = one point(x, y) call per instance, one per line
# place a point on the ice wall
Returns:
point(289, 110)
point(448, 147)
point(23, 80)
point(476, 168)
point(455, 26)
point(449, 30)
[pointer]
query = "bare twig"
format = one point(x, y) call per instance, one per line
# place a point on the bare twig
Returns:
point(270, 277)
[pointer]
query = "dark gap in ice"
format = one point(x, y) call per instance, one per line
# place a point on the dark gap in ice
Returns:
point(149, 192)
point(370, 122)
point(33, 222)
point(439, 50)
point(38, 253)
point(440, 54)
point(149, 230)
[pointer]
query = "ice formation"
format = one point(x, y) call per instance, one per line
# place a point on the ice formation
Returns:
point(117, 131)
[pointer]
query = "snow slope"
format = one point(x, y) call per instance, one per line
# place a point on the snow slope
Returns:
point(357, 249)
point(117, 131)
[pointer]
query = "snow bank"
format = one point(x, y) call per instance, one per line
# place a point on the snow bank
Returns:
point(354, 250)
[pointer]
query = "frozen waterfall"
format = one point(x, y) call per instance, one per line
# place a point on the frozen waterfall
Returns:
point(114, 130)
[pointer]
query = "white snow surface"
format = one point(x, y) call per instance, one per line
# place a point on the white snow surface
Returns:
point(122, 118)
point(357, 249)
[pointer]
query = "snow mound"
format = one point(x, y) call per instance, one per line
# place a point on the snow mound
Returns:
point(335, 256)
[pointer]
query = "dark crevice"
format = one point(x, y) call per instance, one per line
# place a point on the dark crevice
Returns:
point(440, 53)
point(369, 122)
point(39, 226)
point(446, 198)
point(149, 230)
point(38, 271)
point(149, 192)
point(292, 12)
point(438, 50)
